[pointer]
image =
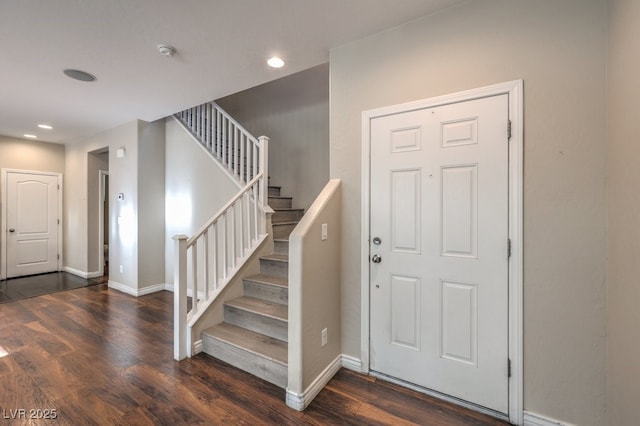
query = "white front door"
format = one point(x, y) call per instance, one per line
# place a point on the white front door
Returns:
point(438, 244)
point(32, 223)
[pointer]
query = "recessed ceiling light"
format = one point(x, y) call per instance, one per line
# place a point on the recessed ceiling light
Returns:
point(79, 75)
point(275, 62)
point(29, 136)
point(45, 126)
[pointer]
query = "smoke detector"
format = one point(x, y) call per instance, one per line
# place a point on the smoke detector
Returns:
point(166, 50)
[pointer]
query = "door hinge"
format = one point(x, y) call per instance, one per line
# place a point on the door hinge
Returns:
point(508, 248)
point(58, 257)
point(58, 187)
point(58, 221)
point(509, 130)
point(508, 367)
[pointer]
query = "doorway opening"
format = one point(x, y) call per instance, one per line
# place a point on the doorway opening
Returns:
point(98, 213)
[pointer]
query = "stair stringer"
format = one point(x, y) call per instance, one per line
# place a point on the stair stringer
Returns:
point(214, 313)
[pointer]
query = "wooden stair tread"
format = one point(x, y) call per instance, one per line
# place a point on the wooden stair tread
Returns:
point(261, 307)
point(288, 209)
point(280, 197)
point(276, 257)
point(269, 279)
point(291, 222)
point(259, 344)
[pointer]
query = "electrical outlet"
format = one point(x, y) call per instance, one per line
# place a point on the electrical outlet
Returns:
point(324, 337)
point(325, 231)
point(121, 269)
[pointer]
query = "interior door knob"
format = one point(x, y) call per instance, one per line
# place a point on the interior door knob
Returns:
point(12, 230)
point(376, 259)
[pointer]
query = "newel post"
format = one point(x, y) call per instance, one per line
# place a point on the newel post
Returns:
point(264, 168)
point(180, 298)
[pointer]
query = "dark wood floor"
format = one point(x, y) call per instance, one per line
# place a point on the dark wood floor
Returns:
point(36, 285)
point(97, 356)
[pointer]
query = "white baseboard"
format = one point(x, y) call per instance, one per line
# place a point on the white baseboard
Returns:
point(81, 274)
point(134, 291)
point(352, 363)
point(151, 289)
point(197, 347)
point(123, 288)
point(169, 287)
point(300, 401)
point(533, 419)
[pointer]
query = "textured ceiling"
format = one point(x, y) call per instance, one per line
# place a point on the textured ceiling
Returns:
point(222, 47)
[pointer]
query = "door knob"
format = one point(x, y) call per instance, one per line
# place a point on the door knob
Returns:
point(12, 230)
point(376, 259)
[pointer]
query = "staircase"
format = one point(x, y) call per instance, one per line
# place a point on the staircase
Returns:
point(253, 335)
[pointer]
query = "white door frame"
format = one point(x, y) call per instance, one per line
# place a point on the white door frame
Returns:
point(515, 91)
point(3, 213)
point(103, 196)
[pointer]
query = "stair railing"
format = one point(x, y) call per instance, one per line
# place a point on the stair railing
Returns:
point(220, 134)
point(206, 262)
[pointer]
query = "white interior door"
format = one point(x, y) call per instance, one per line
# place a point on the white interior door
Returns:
point(439, 236)
point(32, 223)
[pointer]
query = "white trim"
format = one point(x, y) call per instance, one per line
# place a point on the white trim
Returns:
point(515, 91)
point(533, 419)
point(301, 401)
point(3, 214)
point(82, 274)
point(136, 292)
point(197, 347)
point(351, 363)
point(170, 287)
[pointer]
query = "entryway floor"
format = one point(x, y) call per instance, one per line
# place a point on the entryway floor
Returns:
point(36, 285)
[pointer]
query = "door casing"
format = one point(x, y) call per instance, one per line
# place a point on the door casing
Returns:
point(3, 213)
point(514, 89)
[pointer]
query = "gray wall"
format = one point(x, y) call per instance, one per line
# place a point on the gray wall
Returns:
point(623, 193)
point(130, 218)
point(294, 113)
point(558, 49)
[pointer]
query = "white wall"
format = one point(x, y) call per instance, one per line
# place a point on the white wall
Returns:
point(196, 188)
point(558, 49)
point(623, 193)
point(294, 113)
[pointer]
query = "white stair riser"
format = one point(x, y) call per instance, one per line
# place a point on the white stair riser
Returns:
point(266, 369)
point(268, 292)
point(268, 326)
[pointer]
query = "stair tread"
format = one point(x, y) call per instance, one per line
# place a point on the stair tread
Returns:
point(288, 209)
point(269, 279)
point(280, 197)
point(259, 344)
point(276, 257)
point(290, 222)
point(261, 307)
point(283, 240)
